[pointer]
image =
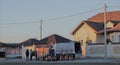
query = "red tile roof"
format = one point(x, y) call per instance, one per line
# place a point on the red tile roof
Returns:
point(117, 27)
point(114, 15)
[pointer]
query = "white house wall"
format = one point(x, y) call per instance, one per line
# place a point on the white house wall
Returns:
point(115, 36)
point(13, 52)
point(24, 50)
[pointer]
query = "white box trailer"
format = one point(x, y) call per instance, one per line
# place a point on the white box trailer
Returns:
point(62, 51)
point(64, 48)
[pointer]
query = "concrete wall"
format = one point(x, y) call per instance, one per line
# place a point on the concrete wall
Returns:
point(113, 51)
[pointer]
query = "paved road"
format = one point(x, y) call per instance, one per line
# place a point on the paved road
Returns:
point(29, 63)
point(77, 60)
point(74, 62)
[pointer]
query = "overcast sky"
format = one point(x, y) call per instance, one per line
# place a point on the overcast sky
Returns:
point(13, 13)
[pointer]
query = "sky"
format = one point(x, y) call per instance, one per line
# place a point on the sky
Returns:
point(16, 15)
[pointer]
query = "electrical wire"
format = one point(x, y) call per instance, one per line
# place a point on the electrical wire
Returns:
point(58, 18)
point(19, 23)
point(73, 15)
point(113, 6)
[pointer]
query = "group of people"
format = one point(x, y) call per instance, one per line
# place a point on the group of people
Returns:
point(30, 54)
point(49, 57)
point(61, 57)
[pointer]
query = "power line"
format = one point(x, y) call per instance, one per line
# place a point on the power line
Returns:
point(19, 23)
point(113, 6)
point(85, 12)
point(58, 18)
point(73, 15)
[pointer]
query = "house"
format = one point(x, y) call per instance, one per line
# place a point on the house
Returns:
point(28, 44)
point(12, 50)
point(113, 31)
point(92, 30)
point(44, 44)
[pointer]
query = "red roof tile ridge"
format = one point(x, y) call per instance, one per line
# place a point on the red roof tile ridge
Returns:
point(113, 15)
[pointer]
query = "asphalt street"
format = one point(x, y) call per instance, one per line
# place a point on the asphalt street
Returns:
point(73, 62)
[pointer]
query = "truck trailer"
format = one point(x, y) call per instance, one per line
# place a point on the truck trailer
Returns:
point(62, 51)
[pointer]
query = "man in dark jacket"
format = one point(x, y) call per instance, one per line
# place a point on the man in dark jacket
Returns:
point(27, 55)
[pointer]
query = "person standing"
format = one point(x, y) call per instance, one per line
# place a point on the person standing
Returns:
point(31, 54)
point(27, 55)
point(35, 52)
point(52, 53)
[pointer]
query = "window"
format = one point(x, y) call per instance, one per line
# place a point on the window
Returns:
point(112, 38)
point(119, 38)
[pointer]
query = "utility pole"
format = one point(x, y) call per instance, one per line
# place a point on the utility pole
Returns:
point(0, 32)
point(105, 33)
point(41, 29)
